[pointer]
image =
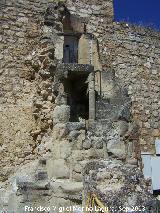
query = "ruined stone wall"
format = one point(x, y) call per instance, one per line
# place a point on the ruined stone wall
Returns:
point(92, 10)
point(102, 178)
point(133, 53)
point(31, 102)
point(20, 33)
point(26, 99)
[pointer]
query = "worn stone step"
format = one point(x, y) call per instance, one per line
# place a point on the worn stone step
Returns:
point(24, 185)
point(67, 187)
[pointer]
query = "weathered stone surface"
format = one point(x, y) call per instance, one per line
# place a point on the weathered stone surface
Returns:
point(87, 144)
point(123, 126)
point(71, 126)
point(72, 187)
point(60, 131)
point(58, 169)
point(118, 184)
point(61, 114)
point(116, 148)
point(156, 132)
point(34, 116)
point(62, 149)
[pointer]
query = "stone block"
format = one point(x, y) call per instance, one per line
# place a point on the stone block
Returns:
point(72, 187)
point(65, 149)
point(87, 144)
point(80, 155)
point(71, 126)
point(156, 132)
point(73, 135)
point(77, 177)
point(83, 51)
point(59, 203)
point(59, 48)
point(60, 131)
point(58, 169)
point(61, 114)
point(123, 127)
point(116, 147)
point(77, 155)
point(78, 168)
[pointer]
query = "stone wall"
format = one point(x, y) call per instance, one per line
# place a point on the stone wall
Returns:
point(23, 92)
point(20, 32)
point(28, 90)
point(118, 187)
point(133, 53)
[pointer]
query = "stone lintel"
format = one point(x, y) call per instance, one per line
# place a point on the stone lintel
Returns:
point(73, 68)
point(76, 34)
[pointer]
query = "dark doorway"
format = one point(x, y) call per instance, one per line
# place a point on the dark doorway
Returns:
point(70, 49)
point(76, 88)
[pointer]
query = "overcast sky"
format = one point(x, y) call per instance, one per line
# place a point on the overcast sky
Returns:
point(145, 12)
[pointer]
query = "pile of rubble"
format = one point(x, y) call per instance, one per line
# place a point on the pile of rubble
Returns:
point(120, 187)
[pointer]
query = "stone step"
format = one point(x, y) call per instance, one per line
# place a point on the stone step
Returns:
point(24, 185)
point(67, 188)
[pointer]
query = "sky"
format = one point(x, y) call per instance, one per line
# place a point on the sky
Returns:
point(143, 12)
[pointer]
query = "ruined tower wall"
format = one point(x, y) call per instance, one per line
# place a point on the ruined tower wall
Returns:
point(21, 31)
point(133, 53)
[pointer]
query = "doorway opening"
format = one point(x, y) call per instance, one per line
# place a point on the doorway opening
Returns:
point(71, 39)
point(70, 49)
point(76, 88)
